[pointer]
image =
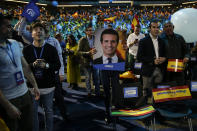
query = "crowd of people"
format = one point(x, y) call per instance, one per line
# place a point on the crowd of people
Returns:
point(74, 21)
point(32, 59)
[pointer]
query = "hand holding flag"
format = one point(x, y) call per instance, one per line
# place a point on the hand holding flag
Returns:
point(31, 11)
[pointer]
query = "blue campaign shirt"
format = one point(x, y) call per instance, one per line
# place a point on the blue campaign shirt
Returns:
point(8, 83)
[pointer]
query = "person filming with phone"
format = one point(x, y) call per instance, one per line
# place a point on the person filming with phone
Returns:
point(133, 43)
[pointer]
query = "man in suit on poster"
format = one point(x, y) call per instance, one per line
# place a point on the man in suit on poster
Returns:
point(151, 53)
point(109, 42)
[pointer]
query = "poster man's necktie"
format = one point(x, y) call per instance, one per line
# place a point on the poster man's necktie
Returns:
point(109, 60)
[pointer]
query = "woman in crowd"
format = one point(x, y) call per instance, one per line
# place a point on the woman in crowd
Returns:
point(73, 71)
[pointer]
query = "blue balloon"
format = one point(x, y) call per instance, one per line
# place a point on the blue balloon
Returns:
point(54, 3)
point(110, 1)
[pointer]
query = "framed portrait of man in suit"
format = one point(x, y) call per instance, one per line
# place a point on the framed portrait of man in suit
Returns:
point(106, 57)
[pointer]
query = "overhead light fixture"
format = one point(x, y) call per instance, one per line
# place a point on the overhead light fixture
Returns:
point(103, 2)
point(25, 2)
point(17, 1)
point(115, 2)
point(192, 2)
point(155, 4)
point(41, 4)
point(121, 2)
point(74, 5)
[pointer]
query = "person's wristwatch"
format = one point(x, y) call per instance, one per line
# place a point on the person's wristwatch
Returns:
point(47, 65)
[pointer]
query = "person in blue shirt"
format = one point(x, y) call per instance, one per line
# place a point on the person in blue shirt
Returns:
point(15, 99)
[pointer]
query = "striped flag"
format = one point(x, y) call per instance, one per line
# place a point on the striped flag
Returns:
point(135, 21)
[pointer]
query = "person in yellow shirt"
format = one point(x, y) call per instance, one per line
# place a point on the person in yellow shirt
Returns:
point(73, 70)
point(3, 126)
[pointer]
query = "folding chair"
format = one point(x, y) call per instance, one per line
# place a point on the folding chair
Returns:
point(170, 102)
point(144, 113)
point(129, 94)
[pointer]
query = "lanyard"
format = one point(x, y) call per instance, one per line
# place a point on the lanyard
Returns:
point(11, 56)
point(91, 42)
point(35, 52)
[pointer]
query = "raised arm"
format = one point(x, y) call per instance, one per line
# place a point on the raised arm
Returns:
point(26, 35)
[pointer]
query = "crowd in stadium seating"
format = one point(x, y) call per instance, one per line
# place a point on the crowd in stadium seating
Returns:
point(74, 32)
point(74, 21)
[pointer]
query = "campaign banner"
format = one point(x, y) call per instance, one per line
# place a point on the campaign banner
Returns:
point(193, 59)
point(175, 65)
point(171, 93)
point(112, 66)
point(31, 12)
point(194, 86)
point(138, 65)
point(130, 92)
point(135, 112)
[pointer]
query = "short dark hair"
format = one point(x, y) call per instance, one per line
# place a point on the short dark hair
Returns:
point(38, 24)
point(153, 21)
point(138, 25)
point(4, 17)
point(73, 40)
point(58, 35)
point(168, 22)
point(109, 31)
point(89, 26)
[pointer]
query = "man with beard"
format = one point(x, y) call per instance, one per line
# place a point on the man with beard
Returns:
point(15, 100)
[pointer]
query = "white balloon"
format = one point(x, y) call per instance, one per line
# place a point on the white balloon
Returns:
point(185, 24)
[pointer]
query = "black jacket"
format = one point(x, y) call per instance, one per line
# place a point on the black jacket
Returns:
point(146, 55)
point(51, 57)
point(176, 48)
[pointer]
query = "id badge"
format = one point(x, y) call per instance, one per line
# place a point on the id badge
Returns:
point(130, 92)
point(193, 59)
point(138, 65)
point(38, 73)
point(194, 86)
point(19, 78)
